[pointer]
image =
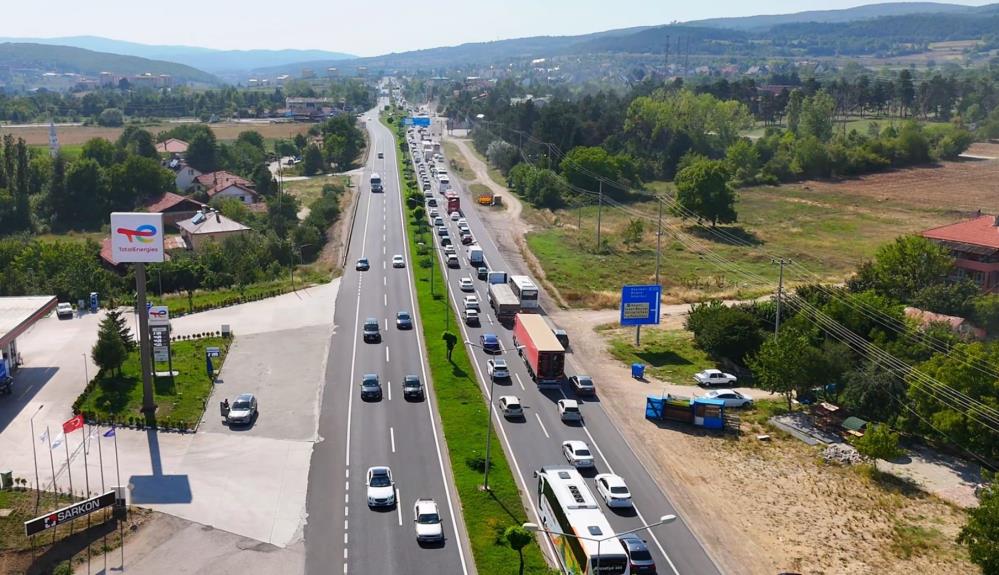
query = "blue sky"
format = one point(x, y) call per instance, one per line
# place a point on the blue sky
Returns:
point(368, 27)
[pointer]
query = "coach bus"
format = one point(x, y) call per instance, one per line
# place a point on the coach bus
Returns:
point(567, 507)
point(526, 291)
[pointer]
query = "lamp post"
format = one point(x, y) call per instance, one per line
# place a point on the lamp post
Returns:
point(34, 456)
point(489, 415)
point(535, 528)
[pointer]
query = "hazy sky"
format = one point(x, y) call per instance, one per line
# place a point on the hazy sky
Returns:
point(368, 27)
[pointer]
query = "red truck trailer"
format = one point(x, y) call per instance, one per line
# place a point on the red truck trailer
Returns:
point(453, 203)
point(543, 354)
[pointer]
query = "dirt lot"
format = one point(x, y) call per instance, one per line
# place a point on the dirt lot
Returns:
point(75, 135)
point(963, 186)
point(767, 507)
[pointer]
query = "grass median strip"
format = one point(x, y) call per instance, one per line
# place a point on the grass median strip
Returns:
point(463, 414)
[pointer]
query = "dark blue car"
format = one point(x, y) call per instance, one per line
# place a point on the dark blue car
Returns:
point(490, 343)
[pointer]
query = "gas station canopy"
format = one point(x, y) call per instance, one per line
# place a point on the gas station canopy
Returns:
point(17, 314)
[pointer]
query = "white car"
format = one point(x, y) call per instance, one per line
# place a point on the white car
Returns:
point(455, 216)
point(472, 302)
point(427, 519)
point(612, 488)
point(497, 368)
point(449, 250)
point(64, 309)
point(381, 487)
point(434, 213)
point(577, 453)
point(568, 410)
point(471, 317)
point(466, 284)
point(398, 262)
point(510, 406)
point(731, 397)
point(462, 222)
point(711, 377)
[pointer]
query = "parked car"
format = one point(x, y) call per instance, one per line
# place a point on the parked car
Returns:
point(497, 368)
point(510, 406)
point(371, 388)
point(398, 261)
point(64, 309)
point(362, 265)
point(639, 558)
point(577, 453)
point(471, 317)
point(568, 410)
point(613, 490)
point(412, 387)
point(370, 331)
point(381, 487)
point(465, 284)
point(243, 409)
point(471, 302)
point(731, 397)
point(714, 377)
point(403, 320)
point(490, 343)
point(427, 519)
point(583, 385)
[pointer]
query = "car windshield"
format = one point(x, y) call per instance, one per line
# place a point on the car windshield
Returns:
point(403, 315)
point(371, 325)
point(411, 382)
point(241, 405)
point(585, 382)
point(619, 490)
point(582, 452)
point(500, 363)
point(380, 481)
point(571, 408)
point(428, 518)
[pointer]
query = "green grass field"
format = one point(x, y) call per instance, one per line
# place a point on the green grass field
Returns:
point(181, 398)
point(668, 354)
point(827, 233)
point(463, 414)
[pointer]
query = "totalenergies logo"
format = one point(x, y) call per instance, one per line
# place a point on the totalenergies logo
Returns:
point(143, 234)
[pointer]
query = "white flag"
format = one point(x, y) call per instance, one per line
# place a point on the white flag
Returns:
point(58, 440)
point(44, 437)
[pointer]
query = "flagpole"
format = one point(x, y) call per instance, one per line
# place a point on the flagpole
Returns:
point(55, 488)
point(121, 524)
point(100, 459)
point(69, 469)
point(86, 480)
point(34, 456)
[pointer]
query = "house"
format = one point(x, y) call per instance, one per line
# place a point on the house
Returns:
point(974, 244)
point(245, 194)
point(958, 325)
point(174, 207)
point(208, 226)
point(308, 109)
point(172, 146)
point(184, 175)
point(224, 184)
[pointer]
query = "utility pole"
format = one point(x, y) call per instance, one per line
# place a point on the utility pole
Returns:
point(145, 353)
point(780, 289)
point(659, 240)
point(600, 205)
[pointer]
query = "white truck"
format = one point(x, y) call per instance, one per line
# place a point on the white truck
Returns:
point(475, 256)
point(503, 301)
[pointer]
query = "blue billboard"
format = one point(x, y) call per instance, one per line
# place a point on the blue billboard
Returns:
point(418, 121)
point(407, 121)
point(640, 305)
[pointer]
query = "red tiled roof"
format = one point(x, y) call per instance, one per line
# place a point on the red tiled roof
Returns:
point(215, 179)
point(106, 251)
point(981, 231)
point(172, 146)
point(168, 201)
point(211, 192)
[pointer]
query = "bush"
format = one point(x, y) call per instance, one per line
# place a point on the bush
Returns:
point(879, 442)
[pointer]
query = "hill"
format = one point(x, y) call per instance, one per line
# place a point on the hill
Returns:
point(62, 59)
point(865, 12)
point(207, 59)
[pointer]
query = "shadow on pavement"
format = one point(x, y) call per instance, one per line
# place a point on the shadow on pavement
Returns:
point(158, 488)
point(27, 382)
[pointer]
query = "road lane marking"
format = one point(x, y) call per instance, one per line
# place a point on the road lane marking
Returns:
point(517, 375)
point(490, 318)
point(386, 324)
point(384, 281)
point(383, 250)
point(385, 297)
point(392, 437)
point(384, 266)
point(388, 385)
point(398, 506)
point(344, 538)
point(542, 426)
point(386, 354)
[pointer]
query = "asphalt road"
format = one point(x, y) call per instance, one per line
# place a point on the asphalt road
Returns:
point(354, 435)
point(537, 439)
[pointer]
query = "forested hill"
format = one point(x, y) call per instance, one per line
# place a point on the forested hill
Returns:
point(866, 12)
point(62, 59)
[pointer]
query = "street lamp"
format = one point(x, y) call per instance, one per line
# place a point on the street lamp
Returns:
point(535, 528)
point(489, 414)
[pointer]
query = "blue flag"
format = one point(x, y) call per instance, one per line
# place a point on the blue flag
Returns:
point(109, 433)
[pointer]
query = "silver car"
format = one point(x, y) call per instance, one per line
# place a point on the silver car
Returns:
point(243, 409)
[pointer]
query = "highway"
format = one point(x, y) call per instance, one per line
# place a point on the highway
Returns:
point(341, 531)
point(536, 440)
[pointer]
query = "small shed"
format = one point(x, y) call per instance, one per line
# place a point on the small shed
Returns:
point(708, 412)
point(702, 412)
point(854, 426)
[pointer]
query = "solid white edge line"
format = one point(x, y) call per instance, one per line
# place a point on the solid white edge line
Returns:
point(423, 368)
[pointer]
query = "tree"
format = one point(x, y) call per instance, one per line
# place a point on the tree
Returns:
point(904, 267)
point(87, 196)
point(724, 332)
point(450, 340)
point(633, 233)
point(313, 160)
point(879, 442)
point(703, 189)
point(282, 213)
point(253, 138)
point(906, 92)
point(202, 152)
point(817, 117)
point(784, 365)
point(583, 167)
point(873, 393)
point(793, 110)
point(100, 151)
point(503, 155)
point(950, 298)
point(110, 352)
point(981, 533)
point(263, 180)
point(111, 117)
point(517, 538)
point(743, 162)
point(124, 332)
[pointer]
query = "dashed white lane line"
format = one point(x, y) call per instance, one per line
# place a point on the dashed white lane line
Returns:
point(386, 353)
point(384, 281)
point(386, 324)
point(392, 437)
point(542, 426)
point(398, 506)
point(385, 298)
point(384, 266)
point(521, 383)
point(388, 386)
point(344, 538)
point(490, 318)
point(383, 249)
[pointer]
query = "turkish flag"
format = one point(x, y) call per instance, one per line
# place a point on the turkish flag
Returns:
point(73, 424)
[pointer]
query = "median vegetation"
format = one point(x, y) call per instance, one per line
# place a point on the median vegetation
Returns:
point(463, 411)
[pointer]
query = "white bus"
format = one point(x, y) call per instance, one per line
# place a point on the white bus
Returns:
point(525, 289)
point(376, 183)
point(566, 506)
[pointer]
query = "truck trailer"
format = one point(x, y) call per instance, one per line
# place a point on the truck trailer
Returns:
point(542, 353)
point(503, 301)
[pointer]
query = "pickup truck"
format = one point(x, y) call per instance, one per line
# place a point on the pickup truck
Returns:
point(714, 377)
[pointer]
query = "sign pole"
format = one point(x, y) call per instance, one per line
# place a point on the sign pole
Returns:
point(100, 459)
point(55, 488)
point(145, 359)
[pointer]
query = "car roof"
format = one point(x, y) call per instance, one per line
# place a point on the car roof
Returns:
point(498, 361)
point(426, 506)
point(412, 377)
point(244, 397)
point(611, 479)
point(489, 336)
point(370, 376)
point(510, 399)
point(633, 542)
point(720, 391)
point(401, 312)
point(712, 370)
point(583, 378)
point(576, 444)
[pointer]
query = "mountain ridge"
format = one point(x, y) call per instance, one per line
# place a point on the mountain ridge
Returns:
point(66, 59)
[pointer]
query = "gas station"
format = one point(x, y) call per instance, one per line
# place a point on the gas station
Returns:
point(17, 315)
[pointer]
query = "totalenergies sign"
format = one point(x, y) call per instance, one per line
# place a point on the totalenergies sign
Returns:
point(136, 237)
